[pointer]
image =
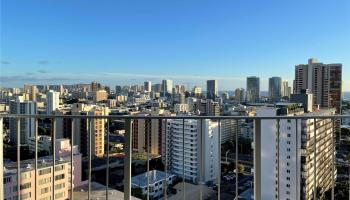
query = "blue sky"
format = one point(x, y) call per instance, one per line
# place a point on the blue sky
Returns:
point(124, 42)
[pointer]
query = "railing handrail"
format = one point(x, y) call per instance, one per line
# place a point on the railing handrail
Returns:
point(171, 117)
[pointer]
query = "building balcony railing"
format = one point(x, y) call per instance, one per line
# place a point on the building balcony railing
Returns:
point(109, 172)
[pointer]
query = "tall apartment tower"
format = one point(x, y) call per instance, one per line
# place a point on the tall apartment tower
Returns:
point(32, 90)
point(239, 95)
point(212, 89)
point(275, 88)
point(322, 80)
point(286, 90)
point(27, 125)
point(52, 101)
point(147, 86)
point(201, 140)
point(83, 127)
point(289, 167)
point(167, 87)
point(253, 89)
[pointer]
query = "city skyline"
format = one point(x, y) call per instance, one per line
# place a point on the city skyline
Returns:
point(119, 43)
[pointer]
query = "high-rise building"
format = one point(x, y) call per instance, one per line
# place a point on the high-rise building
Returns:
point(275, 89)
point(94, 86)
point(32, 90)
point(239, 95)
point(253, 89)
point(322, 80)
point(201, 143)
point(167, 87)
point(148, 86)
point(207, 107)
point(286, 90)
point(118, 90)
point(179, 89)
point(27, 125)
point(99, 95)
point(82, 127)
point(289, 167)
point(61, 90)
point(197, 91)
point(212, 89)
point(52, 101)
point(157, 87)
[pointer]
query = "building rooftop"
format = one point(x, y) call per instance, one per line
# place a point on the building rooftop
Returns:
point(155, 176)
point(98, 191)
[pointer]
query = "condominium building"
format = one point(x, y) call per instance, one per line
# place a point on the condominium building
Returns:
point(27, 125)
point(212, 89)
point(82, 129)
point(167, 87)
point(253, 89)
point(275, 88)
point(285, 89)
point(52, 101)
point(32, 90)
point(43, 183)
point(208, 107)
point(196, 143)
point(324, 81)
point(147, 86)
point(289, 167)
point(239, 95)
point(148, 131)
point(99, 95)
point(197, 92)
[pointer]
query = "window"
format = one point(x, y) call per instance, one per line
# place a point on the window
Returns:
point(44, 190)
point(25, 176)
point(59, 195)
point(44, 181)
point(25, 186)
point(59, 177)
point(44, 171)
point(59, 168)
point(26, 196)
point(7, 180)
point(59, 186)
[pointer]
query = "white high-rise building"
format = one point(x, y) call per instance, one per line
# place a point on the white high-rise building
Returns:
point(27, 125)
point(201, 149)
point(288, 164)
point(148, 86)
point(286, 90)
point(52, 102)
point(167, 86)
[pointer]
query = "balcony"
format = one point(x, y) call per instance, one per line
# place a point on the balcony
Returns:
point(219, 171)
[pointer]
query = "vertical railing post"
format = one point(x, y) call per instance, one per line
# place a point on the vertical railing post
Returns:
point(36, 158)
point(1, 160)
point(147, 155)
point(333, 160)
point(315, 140)
point(183, 157)
point(257, 159)
point(127, 159)
point(18, 158)
point(90, 124)
point(72, 160)
point(107, 169)
point(201, 159)
point(166, 158)
point(219, 151)
point(278, 158)
point(236, 160)
point(53, 156)
point(297, 196)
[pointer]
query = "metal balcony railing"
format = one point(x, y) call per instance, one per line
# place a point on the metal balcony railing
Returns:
point(128, 154)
